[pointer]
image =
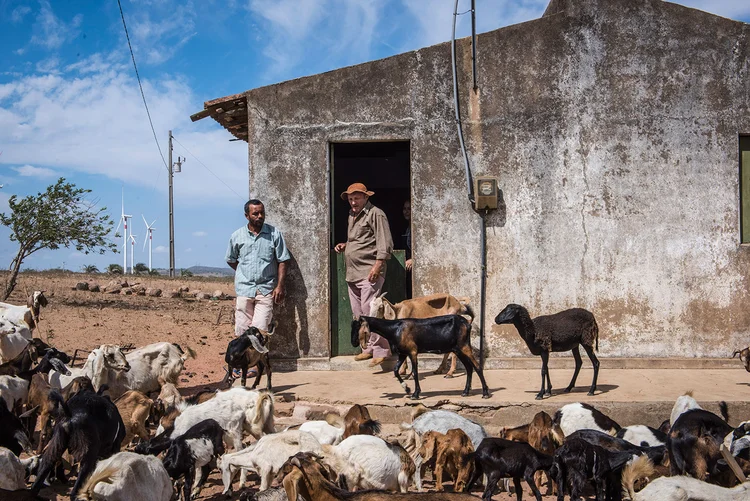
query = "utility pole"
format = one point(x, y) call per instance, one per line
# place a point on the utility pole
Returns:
point(171, 211)
point(173, 167)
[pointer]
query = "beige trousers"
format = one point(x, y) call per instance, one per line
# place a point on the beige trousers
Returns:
point(253, 311)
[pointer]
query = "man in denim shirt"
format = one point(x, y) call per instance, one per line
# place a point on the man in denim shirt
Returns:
point(259, 256)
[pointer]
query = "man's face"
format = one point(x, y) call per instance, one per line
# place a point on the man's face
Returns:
point(256, 215)
point(407, 210)
point(357, 201)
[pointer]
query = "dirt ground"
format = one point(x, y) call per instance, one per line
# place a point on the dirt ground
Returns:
point(83, 320)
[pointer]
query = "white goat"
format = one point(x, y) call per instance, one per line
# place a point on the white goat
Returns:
point(266, 457)
point(639, 435)
point(12, 470)
point(368, 462)
point(324, 432)
point(683, 404)
point(150, 367)
point(578, 416)
point(17, 324)
point(13, 389)
point(236, 410)
point(683, 488)
point(99, 364)
point(128, 476)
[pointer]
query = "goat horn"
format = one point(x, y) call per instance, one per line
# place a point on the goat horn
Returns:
point(736, 353)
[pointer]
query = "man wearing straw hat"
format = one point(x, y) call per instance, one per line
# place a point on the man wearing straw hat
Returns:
point(369, 244)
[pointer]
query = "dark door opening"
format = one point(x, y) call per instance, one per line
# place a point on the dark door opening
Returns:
point(384, 167)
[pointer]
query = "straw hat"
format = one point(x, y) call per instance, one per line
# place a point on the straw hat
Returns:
point(354, 188)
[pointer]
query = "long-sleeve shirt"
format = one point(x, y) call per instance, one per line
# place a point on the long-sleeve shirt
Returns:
point(368, 239)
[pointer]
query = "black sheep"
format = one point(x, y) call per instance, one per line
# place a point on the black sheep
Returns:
point(246, 351)
point(197, 448)
point(563, 331)
point(411, 336)
point(499, 458)
point(89, 427)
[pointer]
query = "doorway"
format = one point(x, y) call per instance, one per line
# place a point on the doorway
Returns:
point(384, 167)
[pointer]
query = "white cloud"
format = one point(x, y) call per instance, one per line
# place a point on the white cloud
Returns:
point(52, 32)
point(49, 65)
point(19, 13)
point(157, 40)
point(31, 171)
point(200, 234)
point(160, 249)
point(189, 249)
point(90, 119)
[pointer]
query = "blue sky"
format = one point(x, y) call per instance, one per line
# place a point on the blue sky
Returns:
point(70, 104)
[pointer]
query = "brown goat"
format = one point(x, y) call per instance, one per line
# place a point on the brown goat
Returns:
point(447, 452)
point(744, 357)
point(134, 408)
point(357, 421)
point(38, 405)
point(517, 434)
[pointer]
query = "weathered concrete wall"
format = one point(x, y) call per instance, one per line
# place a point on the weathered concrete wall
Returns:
point(613, 126)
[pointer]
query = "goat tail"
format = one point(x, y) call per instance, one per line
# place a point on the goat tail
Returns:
point(468, 311)
point(418, 411)
point(190, 353)
point(724, 411)
point(57, 399)
point(103, 473)
point(263, 413)
point(640, 467)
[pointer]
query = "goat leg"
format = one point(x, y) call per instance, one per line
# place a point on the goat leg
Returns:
point(85, 468)
point(401, 358)
point(452, 357)
point(414, 370)
point(187, 486)
point(492, 481)
point(532, 484)
point(545, 368)
point(579, 363)
point(595, 363)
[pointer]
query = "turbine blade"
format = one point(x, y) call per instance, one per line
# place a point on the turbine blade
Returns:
point(144, 244)
point(144, 220)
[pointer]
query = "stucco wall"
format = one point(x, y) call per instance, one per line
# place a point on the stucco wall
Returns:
point(613, 127)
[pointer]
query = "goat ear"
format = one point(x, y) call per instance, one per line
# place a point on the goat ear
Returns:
point(291, 482)
point(257, 345)
point(737, 352)
point(29, 412)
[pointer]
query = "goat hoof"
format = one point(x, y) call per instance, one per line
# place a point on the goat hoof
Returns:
point(414, 396)
point(465, 394)
point(448, 376)
point(540, 396)
point(591, 393)
point(568, 389)
point(485, 395)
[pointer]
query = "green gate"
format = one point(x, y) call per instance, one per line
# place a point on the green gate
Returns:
point(341, 310)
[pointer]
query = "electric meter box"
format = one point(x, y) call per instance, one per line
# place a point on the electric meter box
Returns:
point(486, 193)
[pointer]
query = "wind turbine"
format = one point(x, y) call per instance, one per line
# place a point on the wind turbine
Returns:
point(124, 221)
point(149, 229)
point(132, 252)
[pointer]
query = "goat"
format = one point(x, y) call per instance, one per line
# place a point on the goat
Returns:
point(357, 421)
point(368, 462)
point(440, 420)
point(682, 404)
point(39, 406)
point(577, 461)
point(449, 333)
point(12, 432)
point(563, 331)
point(694, 442)
point(13, 470)
point(267, 456)
point(235, 410)
point(149, 368)
point(448, 452)
point(498, 458)
point(645, 436)
point(14, 390)
point(739, 439)
point(76, 386)
point(193, 452)
point(100, 362)
point(21, 363)
point(434, 305)
point(127, 476)
point(270, 494)
point(744, 357)
point(578, 416)
point(325, 432)
point(19, 322)
point(681, 488)
point(246, 351)
point(306, 476)
point(134, 408)
point(89, 428)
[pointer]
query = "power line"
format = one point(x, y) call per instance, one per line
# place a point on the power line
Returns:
point(209, 170)
point(132, 56)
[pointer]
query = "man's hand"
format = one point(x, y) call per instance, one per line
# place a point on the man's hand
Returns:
point(340, 248)
point(278, 294)
point(374, 274)
point(408, 264)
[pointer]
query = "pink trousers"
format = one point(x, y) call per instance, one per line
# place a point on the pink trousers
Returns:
point(361, 295)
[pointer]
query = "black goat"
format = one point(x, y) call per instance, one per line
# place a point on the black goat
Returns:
point(410, 336)
point(499, 458)
point(197, 448)
point(246, 351)
point(21, 363)
point(89, 427)
point(694, 442)
point(12, 432)
point(562, 331)
point(577, 461)
point(46, 364)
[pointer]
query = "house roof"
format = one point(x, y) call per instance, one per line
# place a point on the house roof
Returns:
point(229, 111)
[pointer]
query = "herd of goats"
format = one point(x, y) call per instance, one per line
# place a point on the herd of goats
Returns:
point(86, 415)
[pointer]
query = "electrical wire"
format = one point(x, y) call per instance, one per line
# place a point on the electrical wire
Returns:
point(148, 113)
point(206, 167)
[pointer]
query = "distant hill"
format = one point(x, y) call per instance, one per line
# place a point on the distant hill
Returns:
point(211, 271)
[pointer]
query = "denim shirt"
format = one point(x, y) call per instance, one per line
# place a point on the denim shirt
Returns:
point(257, 258)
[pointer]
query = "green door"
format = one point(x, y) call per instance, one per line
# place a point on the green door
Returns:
point(341, 310)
